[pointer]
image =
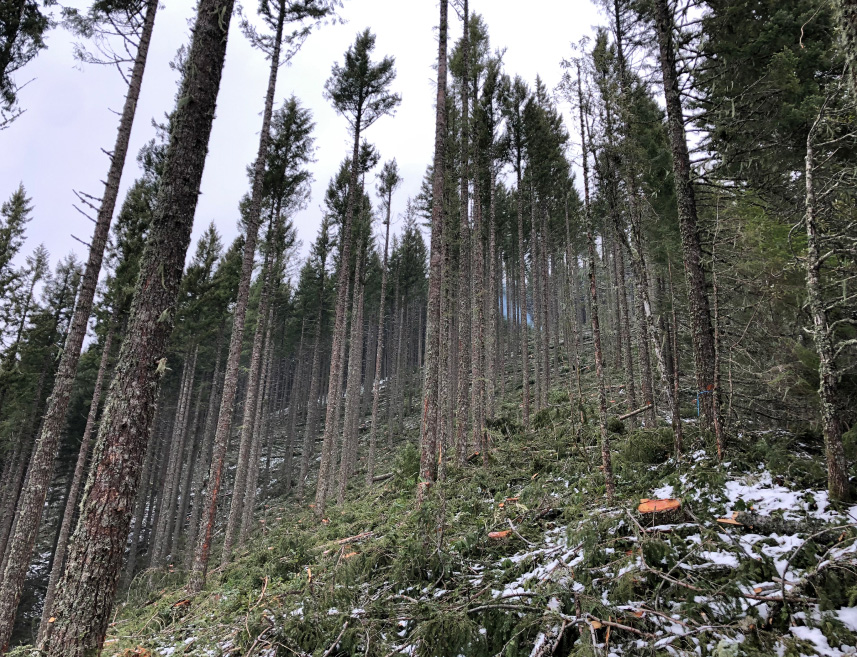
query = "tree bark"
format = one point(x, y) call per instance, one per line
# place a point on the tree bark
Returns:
point(230, 380)
point(606, 461)
point(432, 372)
point(700, 315)
point(837, 467)
point(248, 436)
point(74, 490)
point(42, 462)
point(379, 351)
point(88, 585)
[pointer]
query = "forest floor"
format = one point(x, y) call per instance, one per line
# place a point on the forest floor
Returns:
point(522, 556)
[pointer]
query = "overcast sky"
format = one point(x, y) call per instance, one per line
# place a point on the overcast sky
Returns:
point(54, 148)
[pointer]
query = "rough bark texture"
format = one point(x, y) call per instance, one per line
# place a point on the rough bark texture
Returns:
point(462, 406)
point(837, 467)
point(431, 373)
point(74, 490)
point(700, 314)
point(88, 586)
point(41, 469)
point(230, 380)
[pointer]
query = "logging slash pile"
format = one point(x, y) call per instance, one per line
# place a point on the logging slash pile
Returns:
point(521, 557)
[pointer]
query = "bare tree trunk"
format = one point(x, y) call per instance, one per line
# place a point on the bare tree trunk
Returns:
point(434, 325)
point(462, 406)
point(248, 437)
point(312, 401)
point(41, 470)
point(837, 467)
point(295, 395)
point(352, 386)
point(606, 461)
point(88, 585)
point(203, 463)
point(492, 350)
point(230, 380)
point(379, 351)
point(260, 421)
point(171, 482)
point(147, 481)
point(337, 360)
point(700, 315)
point(74, 490)
point(477, 327)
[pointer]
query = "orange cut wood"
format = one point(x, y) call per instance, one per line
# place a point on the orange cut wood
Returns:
point(654, 506)
point(730, 521)
point(500, 534)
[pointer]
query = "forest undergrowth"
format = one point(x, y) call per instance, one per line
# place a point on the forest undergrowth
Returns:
point(518, 555)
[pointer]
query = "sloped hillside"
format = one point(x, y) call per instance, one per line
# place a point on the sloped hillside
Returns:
point(522, 556)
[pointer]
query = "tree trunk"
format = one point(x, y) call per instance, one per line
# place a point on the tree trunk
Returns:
point(312, 401)
point(462, 406)
point(42, 462)
point(230, 380)
point(337, 360)
point(700, 315)
point(606, 461)
point(837, 467)
point(88, 585)
point(379, 350)
point(203, 463)
point(248, 436)
point(432, 372)
point(74, 490)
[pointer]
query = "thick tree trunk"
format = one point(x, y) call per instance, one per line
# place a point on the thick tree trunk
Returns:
point(140, 506)
point(88, 586)
point(432, 371)
point(700, 315)
point(230, 380)
point(42, 462)
point(74, 490)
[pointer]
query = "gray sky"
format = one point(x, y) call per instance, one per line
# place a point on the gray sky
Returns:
point(54, 148)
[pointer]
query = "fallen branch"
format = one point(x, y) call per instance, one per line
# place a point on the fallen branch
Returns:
point(336, 641)
point(382, 477)
point(633, 413)
point(517, 534)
